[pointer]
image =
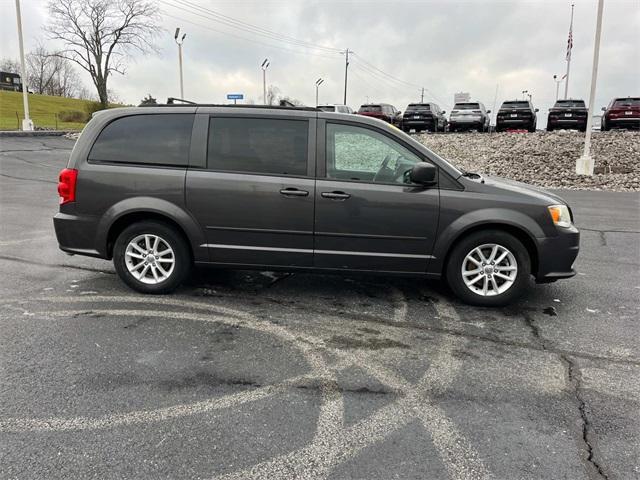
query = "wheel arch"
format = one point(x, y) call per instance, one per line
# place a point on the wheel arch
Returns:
point(518, 232)
point(130, 211)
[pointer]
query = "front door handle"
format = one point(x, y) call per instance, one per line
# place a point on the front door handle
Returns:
point(335, 195)
point(294, 192)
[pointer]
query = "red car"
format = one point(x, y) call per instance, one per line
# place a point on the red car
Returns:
point(383, 111)
point(621, 113)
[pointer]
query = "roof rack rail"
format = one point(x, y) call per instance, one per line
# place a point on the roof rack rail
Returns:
point(172, 100)
point(186, 103)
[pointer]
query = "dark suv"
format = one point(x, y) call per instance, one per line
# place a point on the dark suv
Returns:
point(621, 113)
point(568, 114)
point(424, 116)
point(516, 115)
point(382, 111)
point(160, 188)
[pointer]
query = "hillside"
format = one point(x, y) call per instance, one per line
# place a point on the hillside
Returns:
point(44, 111)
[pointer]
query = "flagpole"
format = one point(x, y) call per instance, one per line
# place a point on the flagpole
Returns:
point(569, 47)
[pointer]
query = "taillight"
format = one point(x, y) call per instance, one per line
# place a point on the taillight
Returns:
point(67, 185)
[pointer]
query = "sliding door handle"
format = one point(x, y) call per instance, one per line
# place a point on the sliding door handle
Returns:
point(294, 192)
point(335, 195)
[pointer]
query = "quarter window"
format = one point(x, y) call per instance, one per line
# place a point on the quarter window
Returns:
point(258, 145)
point(361, 154)
point(157, 139)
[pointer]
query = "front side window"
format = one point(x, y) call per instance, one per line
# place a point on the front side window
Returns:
point(258, 145)
point(158, 139)
point(360, 154)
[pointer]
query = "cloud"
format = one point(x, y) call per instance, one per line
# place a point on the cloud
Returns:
point(445, 46)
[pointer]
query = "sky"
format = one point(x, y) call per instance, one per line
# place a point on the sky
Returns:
point(492, 49)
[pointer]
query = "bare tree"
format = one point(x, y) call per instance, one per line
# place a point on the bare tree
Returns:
point(100, 35)
point(9, 65)
point(50, 74)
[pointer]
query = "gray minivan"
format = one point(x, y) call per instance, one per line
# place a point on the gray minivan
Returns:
point(160, 188)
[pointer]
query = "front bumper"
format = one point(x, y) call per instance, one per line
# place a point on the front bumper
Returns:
point(556, 255)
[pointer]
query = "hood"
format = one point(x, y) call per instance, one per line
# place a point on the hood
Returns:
point(524, 189)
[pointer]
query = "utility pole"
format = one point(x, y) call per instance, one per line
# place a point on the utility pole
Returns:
point(264, 67)
point(584, 164)
point(422, 95)
point(569, 47)
point(27, 123)
point(346, 67)
point(179, 42)
point(318, 83)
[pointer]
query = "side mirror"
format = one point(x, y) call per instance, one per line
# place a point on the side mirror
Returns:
point(488, 111)
point(443, 112)
point(537, 110)
point(399, 113)
point(423, 173)
point(604, 109)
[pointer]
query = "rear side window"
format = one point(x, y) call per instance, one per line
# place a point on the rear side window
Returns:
point(158, 139)
point(258, 145)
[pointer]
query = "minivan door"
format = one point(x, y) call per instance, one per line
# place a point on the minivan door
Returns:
point(368, 215)
point(255, 193)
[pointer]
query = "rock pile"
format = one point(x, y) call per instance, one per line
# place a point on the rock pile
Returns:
point(546, 159)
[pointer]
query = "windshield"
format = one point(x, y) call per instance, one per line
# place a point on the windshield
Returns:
point(515, 105)
point(627, 102)
point(370, 108)
point(466, 106)
point(418, 107)
point(569, 103)
point(327, 108)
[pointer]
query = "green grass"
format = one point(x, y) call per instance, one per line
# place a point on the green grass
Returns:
point(42, 109)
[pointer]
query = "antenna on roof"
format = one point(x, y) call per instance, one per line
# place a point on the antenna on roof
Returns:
point(172, 100)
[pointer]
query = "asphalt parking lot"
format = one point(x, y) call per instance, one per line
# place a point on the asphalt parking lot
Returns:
point(270, 375)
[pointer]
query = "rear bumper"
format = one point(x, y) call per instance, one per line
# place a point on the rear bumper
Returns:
point(567, 122)
point(418, 123)
point(556, 255)
point(76, 234)
point(633, 122)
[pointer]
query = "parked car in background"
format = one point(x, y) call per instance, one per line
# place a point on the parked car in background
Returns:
point(516, 115)
point(424, 116)
point(469, 116)
point(158, 189)
point(568, 114)
point(337, 108)
point(621, 113)
point(383, 111)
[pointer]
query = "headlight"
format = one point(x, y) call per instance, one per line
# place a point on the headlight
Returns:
point(560, 215)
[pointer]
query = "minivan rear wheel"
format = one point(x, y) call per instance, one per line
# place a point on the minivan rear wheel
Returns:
point(489, 268)
point(151, 257)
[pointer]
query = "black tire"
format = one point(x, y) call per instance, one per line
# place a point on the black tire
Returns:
point(181, 256)
point(549, 128)
point(466, 245)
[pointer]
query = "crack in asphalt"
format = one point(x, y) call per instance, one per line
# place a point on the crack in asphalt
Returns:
point(28, 179)
point(574, 378)
point(607, 231)
point(54, 265)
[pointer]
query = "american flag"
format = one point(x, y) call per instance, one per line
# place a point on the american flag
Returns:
point(570, 43)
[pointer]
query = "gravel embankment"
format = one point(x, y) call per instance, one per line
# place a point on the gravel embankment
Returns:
point(546, 159)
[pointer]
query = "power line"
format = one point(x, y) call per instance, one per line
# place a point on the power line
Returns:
point(217, 17)
point(268, 45)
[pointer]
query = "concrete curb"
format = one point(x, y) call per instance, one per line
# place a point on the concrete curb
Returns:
point(35, 133)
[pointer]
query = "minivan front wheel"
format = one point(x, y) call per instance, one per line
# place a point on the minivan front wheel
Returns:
point(151, 257)
point(489, 268)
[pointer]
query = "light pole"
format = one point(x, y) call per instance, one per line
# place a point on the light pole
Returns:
point(318, 83)
point(264, 67)
point(27, 124)
point(584, 164)
point(524, 93)
point(180, 42)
